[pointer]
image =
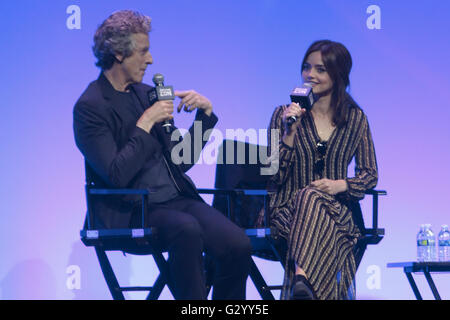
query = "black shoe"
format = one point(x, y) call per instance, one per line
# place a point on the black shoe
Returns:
point(302, 289)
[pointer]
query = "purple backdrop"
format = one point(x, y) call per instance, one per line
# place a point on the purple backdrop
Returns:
point(245, 56)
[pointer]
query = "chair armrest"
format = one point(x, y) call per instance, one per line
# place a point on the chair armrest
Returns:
point(97, 191)
point(216, 191)
point(264, 192)
point(238, 191)
point(375, 193)
point(92, 191)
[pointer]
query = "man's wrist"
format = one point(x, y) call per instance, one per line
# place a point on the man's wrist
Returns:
point(146, 126)
point(208, 111)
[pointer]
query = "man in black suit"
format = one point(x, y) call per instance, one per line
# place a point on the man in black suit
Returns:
point(125, 146)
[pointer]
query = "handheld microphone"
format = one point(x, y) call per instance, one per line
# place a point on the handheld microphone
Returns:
point(161, 92)
point(304, 97)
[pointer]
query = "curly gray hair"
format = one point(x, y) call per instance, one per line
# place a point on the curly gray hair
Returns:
point(113, 36)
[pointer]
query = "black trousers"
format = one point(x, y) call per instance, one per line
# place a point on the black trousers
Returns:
point(187, 228)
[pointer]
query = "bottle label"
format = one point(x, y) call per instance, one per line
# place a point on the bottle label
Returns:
point(444, 243)
point(423, 242)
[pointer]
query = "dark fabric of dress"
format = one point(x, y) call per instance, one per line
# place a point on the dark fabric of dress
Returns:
point(320, 229)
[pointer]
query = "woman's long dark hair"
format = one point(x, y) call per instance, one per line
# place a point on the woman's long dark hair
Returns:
point(338, 63)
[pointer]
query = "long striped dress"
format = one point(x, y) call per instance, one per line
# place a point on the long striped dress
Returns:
point(320, 230)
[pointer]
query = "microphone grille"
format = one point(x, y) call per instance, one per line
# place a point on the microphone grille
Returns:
point(307, 84)
point(158, 79)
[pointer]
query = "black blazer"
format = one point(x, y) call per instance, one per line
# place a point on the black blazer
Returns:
point(118, 154)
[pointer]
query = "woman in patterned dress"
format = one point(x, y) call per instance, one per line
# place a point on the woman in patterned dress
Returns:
point(312, 205)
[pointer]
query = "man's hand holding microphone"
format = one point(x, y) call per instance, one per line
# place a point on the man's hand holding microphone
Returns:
point(162, 106)
point(160, 111)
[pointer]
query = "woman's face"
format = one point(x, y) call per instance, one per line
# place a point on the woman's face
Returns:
point(314, 72)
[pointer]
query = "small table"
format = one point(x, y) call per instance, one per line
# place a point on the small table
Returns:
point(426, 268)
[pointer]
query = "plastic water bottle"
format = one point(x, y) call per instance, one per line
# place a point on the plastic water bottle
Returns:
point(431, 247)
point(444, 244)
point(421, 244)
point(426, 244)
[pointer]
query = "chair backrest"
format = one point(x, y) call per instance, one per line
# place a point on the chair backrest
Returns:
point(239, 167)
point(91, 221)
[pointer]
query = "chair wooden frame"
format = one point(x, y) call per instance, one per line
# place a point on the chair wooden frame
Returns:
point(266, 238)
point(134, 241)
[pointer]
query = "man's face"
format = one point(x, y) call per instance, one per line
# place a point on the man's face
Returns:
point(134, 66)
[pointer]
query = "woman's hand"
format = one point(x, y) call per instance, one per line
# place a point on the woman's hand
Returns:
point(293, 110)
point(332, 187)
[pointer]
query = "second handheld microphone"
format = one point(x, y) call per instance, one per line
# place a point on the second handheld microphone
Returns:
point(304, 97)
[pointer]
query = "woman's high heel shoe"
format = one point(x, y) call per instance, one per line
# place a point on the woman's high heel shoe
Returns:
point(302, 289)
